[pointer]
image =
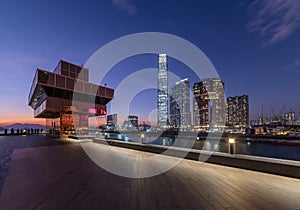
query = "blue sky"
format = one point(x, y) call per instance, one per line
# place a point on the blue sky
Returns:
point(254, 45)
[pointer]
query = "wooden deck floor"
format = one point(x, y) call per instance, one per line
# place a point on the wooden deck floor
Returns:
point(64, 177)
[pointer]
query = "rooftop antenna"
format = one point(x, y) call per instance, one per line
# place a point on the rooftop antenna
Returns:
point(262, 111)
point(261, 120)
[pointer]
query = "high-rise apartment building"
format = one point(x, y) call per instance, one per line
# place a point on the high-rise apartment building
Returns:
point(290, 118)
point(162, 92)
point(209, 104)
point(238, 111)
point(180, 114)
point(200, 106)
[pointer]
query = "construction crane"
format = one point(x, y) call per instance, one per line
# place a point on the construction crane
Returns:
point(277, 117)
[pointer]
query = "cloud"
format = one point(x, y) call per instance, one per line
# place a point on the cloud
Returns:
point(293, 66)
point(124, 5)
point(274, 20)
point(297, 62)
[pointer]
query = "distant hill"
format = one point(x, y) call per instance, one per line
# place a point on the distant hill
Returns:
point(24, 126)
point(1, 129)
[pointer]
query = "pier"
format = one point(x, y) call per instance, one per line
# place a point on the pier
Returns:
point(63, 176)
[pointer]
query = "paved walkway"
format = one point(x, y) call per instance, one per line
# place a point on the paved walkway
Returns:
point(9, 143)
point(60, 177)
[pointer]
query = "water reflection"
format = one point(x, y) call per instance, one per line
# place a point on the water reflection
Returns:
point(246, 147)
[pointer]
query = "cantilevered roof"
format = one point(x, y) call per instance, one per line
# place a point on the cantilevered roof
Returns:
point(62, 84)
point(51, 84)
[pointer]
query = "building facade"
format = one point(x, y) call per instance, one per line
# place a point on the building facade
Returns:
point(209, 105)
point(180, 113)
point(238, 111)
point(290, 118)
point(162, 92)
point(66, 99)
point(132, 124)
point(111, 121)
point(200, 107)
point(134, 121)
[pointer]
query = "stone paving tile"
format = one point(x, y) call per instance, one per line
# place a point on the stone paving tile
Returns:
point(9, 143)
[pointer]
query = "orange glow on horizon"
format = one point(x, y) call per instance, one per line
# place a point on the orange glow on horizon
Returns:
point(93, 122)
point(25, 116)
point(7, 122)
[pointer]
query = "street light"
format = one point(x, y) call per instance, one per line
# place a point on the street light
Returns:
point(143, 138)
point(231, 145)
point(231, 140)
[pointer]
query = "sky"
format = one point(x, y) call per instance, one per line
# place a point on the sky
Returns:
point(254, 45)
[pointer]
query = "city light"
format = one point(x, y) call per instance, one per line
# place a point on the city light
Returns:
point(232, 145)
point(143, 138)
point(231, 140)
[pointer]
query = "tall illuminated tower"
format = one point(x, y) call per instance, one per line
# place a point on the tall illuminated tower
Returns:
point(180, 114)
point(209, 104)
point(162, 91)
point(238, 111)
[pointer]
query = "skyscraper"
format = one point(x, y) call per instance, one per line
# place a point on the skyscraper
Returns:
point(209, 104)
point(200, 106)
point(238, 111)
point(162, 91)
point(180, 114)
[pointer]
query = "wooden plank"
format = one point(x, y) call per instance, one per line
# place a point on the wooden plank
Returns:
point(64, 177)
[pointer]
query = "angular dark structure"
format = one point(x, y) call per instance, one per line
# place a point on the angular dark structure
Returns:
point(66, 98)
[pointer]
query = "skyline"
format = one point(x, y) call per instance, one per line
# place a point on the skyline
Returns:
point(254, 54)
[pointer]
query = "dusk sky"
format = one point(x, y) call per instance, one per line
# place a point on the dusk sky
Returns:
point(254, 45)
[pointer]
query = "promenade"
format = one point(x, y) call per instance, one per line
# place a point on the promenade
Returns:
point(63, 176)
point(9, 143)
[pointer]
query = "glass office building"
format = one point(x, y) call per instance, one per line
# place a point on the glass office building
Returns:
point(162, 92)
point(180, 114)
